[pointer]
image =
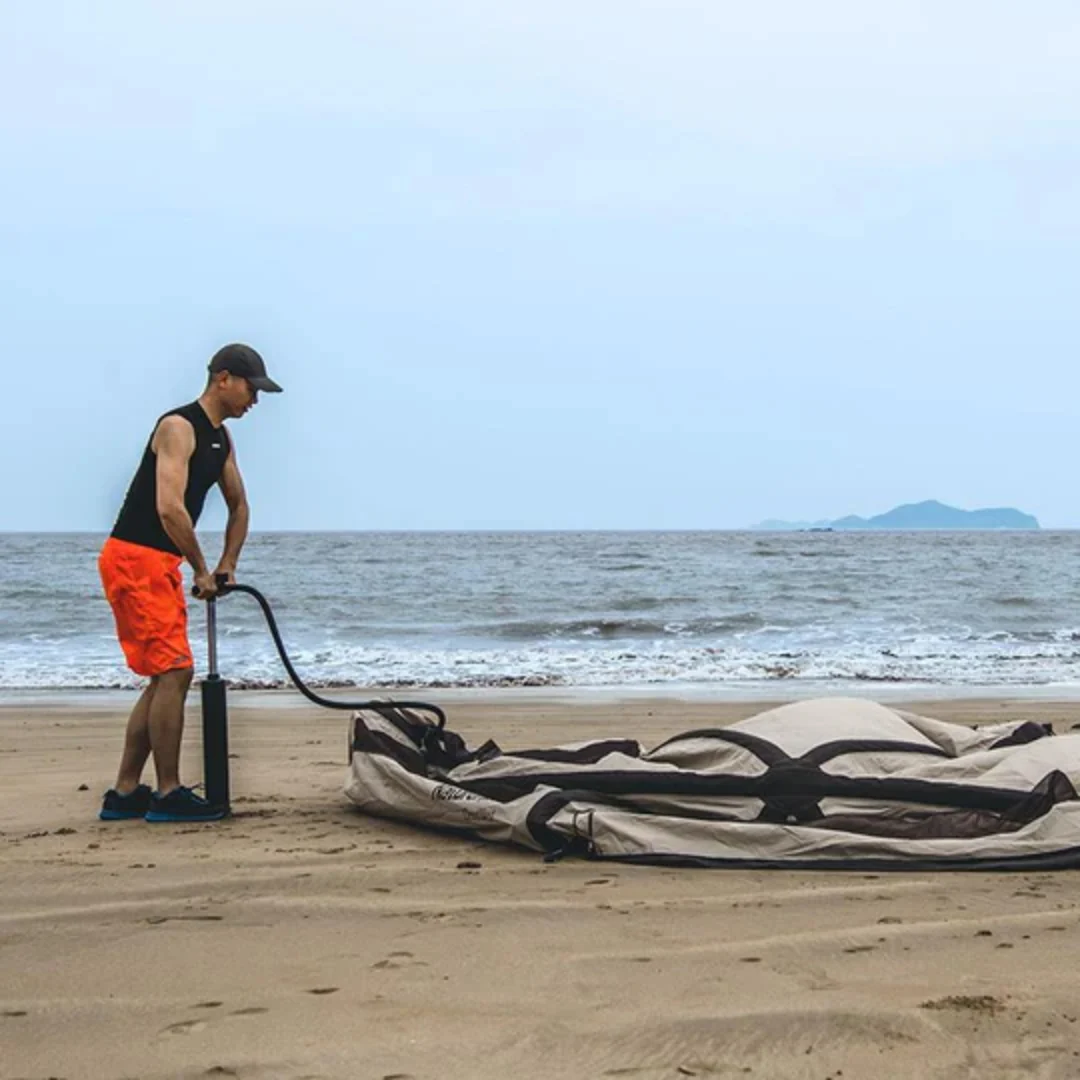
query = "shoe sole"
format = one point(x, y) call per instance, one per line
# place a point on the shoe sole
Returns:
point(160, 818)
point(120, 815)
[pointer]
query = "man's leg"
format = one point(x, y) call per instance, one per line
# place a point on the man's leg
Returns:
point(136, 743)
point(166, 725)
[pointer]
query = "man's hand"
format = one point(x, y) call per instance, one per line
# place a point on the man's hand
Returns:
point(206, 586)
point(226, 571)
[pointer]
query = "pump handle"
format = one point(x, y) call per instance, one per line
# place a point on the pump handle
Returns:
point(222, 582)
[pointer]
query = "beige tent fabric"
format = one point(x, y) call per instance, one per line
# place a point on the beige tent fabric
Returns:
point(833, 782)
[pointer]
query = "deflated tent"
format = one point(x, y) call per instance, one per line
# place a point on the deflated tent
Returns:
point(832, 783)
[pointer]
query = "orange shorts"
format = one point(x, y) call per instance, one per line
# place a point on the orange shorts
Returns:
point(146, 592)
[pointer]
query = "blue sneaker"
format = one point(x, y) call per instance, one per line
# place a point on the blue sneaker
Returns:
point(182, 804)
point(117, 807)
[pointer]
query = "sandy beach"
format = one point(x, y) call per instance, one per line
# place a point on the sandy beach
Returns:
point(300, 939)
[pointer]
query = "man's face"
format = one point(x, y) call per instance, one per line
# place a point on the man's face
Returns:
point(238, 395)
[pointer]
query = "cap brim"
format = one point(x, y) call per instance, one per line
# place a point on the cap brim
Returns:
point(263, 384)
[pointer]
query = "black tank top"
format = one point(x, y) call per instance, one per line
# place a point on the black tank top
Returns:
point(139, 522)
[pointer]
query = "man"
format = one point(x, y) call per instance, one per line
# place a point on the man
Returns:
point(189, 451)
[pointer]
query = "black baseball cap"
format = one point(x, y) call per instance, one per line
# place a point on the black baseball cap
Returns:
point(244, 361)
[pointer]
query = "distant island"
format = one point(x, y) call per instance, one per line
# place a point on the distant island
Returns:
point(924, 515)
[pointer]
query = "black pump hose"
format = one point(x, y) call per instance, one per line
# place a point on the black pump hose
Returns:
point(326, 703)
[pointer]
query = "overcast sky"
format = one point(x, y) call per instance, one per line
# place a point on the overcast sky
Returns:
point(564, 265)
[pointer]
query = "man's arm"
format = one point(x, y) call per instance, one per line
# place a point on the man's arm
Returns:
point(174, 443)
point(236, 530)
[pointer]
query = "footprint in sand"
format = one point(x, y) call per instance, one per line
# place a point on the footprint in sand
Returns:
point(982, 1003)
point(325, 990)
point(398, 960)
point(208, 1005)
point(252, 1010)
point(185, 1027)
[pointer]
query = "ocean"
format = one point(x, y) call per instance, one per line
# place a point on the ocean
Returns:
point(726, 610)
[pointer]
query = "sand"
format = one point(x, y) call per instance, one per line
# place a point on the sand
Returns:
point(301, 939)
